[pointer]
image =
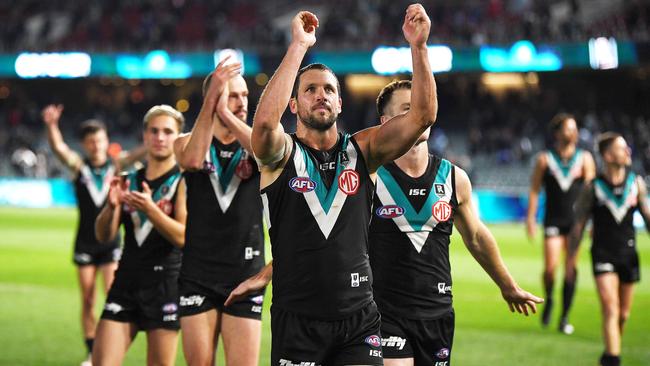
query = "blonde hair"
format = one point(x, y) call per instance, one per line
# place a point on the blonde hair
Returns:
point(164, 110)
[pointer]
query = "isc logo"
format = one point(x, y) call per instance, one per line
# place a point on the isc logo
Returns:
point(417, 192)
point(441, 211)
point(389, 211)
point(302, 184)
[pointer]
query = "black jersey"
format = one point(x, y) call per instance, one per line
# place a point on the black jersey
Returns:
point(224, 238)
point(91, 186)
point(409, 240)
point(319, 231)
point(148, 256)
point(562, 183)
point(613, 215)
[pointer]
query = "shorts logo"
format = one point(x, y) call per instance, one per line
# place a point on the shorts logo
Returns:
point(441, 211)
point(165, 206)
point(439, 189)
point(443, 288)
point(604, 267)
point(256, 309)
point(373, 340)
point(117, 254)
point(355, 279)
point(259, 299)
point(349, 182)
point(389, 211)
point(170, 318)
point(194, 300)
point(302, 184)
point(244, 169)
point(394, 341)
point(443, 353)
point(113, 307)
point(83, 258)
point(552, 231)
point(170, 308)
point(284, 362)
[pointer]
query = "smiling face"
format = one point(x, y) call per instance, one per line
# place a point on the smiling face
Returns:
point(159, 135)
point(317, 102)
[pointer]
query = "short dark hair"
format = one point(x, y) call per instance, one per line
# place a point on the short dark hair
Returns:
point(90, 127)
point(605, 140)
point(558, 120)
point(314, 66)
point(386, 94)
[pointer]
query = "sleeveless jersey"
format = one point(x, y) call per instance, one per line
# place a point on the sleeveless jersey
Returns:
point(409, 240)
point(148, 256)
point(319, 231)
point(562, 183)
point(224, 238)
point(91, 186)
point(613, 215)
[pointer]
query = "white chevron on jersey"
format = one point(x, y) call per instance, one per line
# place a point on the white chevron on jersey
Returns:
point(98, 195)
point(226, 197)
point(142, 228)
point(565, 177)
point(618, 211)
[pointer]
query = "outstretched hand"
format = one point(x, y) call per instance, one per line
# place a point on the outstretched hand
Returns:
point(141, 201)
point(521, 301)
point(220, 77)
point(52, 113)
point(245, 288)
point(416, 25)
point(303, 28)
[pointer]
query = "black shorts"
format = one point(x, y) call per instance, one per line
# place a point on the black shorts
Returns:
point(625, 265)
point(428, 342)
point(84, 257)
point(196, 298)
point(551, 230)
point(301, 340)
point(151, 307)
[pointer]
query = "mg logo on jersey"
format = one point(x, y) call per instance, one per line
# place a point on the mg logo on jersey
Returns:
point(302, 184)
point(441, 211)
point(349, 182)
point(373, 340)
point(244, 169)
point(166, 206)
point(389, 211)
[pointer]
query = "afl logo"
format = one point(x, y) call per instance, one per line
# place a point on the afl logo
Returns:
point(349, 182)
point(443, 353)
point(170, 308)
point(373, 340)
point(389, 211)
point(441, 211)
point(302, 184)
point(244, 169)
point(166, 206)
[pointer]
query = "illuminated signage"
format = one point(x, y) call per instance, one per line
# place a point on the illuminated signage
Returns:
point(603, 53)
point(53, 65)
point(394, 60)
point(154, 65)
point(522, 56)
point(235, 56)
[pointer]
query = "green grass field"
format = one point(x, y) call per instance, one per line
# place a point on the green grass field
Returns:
point(39, 303)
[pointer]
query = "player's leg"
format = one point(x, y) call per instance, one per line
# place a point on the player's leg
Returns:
point(626, 294)
point(398, 361)
point(200, 337)
point(569, 287)
point(608, 288)
point(108, 274)
point(161, 347)
point(112, 341)
point(86, 276)
point(241, 340)
point(552, 252)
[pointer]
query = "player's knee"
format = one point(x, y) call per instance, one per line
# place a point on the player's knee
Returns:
point(88, 302)
point(623, 316)
point(611, 311)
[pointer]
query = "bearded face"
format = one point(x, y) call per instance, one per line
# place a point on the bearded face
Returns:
point(317, 102)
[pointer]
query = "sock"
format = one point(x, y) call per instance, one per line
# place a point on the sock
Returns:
point(567, 297)
point(548, 304)
point(89, 344)
point(609, 360)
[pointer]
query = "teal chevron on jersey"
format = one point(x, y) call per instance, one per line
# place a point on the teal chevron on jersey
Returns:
point(565, 169)
point(417, 219)
point(618, 201)
point(225, 175)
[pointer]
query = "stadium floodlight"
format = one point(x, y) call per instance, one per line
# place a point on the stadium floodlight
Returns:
point(236, 55)
point(603, 53)
point(523, 56)
point(53, 65)
point(394, 60)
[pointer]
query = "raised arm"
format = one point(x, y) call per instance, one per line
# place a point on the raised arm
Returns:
point(51, 116)
point(588, 167)
point(644, 209)
point(107, 222)
point(583, 207)
point(171, 228)
point(268, 138)
point(190, 149)
point(533, 195)
point(239, 128)
point(127, 159)
point(483, 247)
point(394, 138)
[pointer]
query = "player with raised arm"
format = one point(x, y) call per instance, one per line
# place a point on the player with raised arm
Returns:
point(317, 187)
point(418, 200)
point(150, 204)
point(224, 240)
point(562, 170)
point(92, 174)
point(611, 201)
